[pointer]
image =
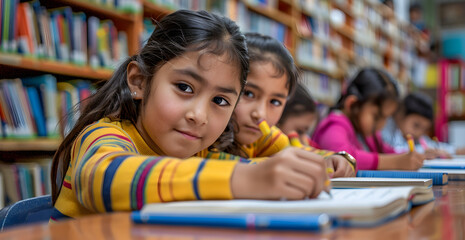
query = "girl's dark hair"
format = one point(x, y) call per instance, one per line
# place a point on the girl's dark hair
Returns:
point(299, 103)
point(370, 85)
point(264, 49)
point(418, 103)
point(176, 34)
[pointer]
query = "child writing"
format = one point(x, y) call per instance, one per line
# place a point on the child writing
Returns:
point(360, 113)
point(134, 140)
point(415, 117)
point(272, 78)
point(299, 115)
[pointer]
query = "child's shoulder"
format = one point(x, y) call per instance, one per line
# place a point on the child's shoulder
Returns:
point(105, 125)
point(336, 118)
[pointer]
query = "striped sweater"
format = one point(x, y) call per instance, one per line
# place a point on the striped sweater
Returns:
point(113, 169)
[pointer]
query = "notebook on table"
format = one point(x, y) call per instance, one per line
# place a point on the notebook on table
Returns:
point(445, 163)
point(453, 174)
point(364, 182)
point(439, 178)
point(363, 207)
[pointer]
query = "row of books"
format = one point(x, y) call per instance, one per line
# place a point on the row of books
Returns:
point(313, 27)
point(323, 88)
point(24, 180)
point(249, 21)
point(60, 34)
point(455, 104)
point(32, 107)
point(456, 77)
point(315, 54)
point(182, 4)
point(126, 6)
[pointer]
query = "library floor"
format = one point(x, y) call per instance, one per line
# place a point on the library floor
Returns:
point(442, 219)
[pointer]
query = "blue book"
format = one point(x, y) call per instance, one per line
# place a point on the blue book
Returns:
point(37, 111)
point(439, 178)
point(317, 222)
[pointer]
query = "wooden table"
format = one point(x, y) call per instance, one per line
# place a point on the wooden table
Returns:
point(442, 219)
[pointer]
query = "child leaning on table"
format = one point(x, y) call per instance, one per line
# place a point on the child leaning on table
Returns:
point(134, 140)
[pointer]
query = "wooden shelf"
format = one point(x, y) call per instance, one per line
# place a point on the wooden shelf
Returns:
point(345, 31)
point(345, 8)
point(30, 145)
point(272, 13)
point(335, 75)
point(344, 53)
point(47, 66)
point(100, 10)
point(316, 39)
point(155, 11)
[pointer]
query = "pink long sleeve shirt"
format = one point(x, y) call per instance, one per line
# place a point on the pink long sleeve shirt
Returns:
point(336, 133)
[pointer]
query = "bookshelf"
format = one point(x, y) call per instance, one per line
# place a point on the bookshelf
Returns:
point(325, 48)
point(451, 96)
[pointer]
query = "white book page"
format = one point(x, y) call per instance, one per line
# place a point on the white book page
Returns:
point(357, 202)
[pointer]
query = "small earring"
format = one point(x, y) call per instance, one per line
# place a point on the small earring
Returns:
point(133, 94)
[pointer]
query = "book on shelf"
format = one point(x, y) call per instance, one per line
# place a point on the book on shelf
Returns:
point(46, 88)
point(250, 21)
point(26, 179)
point(29, 107)
point(366, 182)
point(439, 178)
point(349, 207)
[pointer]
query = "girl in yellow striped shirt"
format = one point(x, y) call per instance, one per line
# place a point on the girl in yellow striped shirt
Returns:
point(133, 142)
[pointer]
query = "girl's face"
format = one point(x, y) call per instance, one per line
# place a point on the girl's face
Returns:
point(264, 97)
point(190, 103)
point(302, 124)
point(373, 117)
point(415, 124)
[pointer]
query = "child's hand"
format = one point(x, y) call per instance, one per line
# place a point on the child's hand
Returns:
point(341, 167)
point(292, 173)
point(413, 161)
point(432, 153)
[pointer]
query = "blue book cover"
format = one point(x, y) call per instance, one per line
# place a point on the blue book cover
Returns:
point(307, 222)
point(438, 178)
point(37, 111)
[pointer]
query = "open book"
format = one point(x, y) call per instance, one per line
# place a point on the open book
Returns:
point(350, 207)
point(363, 182)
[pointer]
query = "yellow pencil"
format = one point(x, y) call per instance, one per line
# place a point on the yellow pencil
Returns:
point(264, 127)
point(411, 144)
point(294, 139)
point(328, 182)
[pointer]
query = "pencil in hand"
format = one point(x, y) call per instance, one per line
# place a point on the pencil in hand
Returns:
point(264, 127)
point(328, 182)
point(294, 139)
point(411, 144)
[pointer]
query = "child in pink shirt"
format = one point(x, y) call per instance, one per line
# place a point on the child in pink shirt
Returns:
point(354, 123)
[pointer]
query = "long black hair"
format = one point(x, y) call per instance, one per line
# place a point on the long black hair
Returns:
point(370, 85)
point(174, 35)
point(265, 49)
